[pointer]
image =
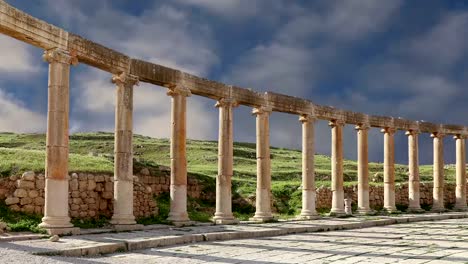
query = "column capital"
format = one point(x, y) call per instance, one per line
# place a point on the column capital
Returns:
point(388, 130)
point(363, 126)
point(437, 135)
point(59, 56)
point(459, 136)
point(226, 102)
point(125, 79)
point(336, 122)
point(262, 110)
point(306, 118)
point(173, 90)
point(412, 132)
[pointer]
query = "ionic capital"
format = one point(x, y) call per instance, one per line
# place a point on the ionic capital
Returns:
point(262, 110)
point(125, 79)
point(388, 130)
point(306, 119)
point(173, 90)
point(362, 126)
point(437, 135)
point(335, 123)
point(459, 136)
point(226, 102)
point(412, 132)
point(59, 56)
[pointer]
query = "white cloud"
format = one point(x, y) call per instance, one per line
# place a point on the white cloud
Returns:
point(16, 57)
point(16, 117)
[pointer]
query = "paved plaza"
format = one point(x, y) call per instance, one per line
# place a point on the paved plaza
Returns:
point(444, 241)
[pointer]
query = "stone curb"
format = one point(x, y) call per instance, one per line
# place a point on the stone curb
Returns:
point(124, 246)
point(21, 237)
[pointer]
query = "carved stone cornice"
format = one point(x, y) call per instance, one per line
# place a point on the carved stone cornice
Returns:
point(362, 126)
point(336, 122)
point(262, 110)
point(174, 90)
point(459, 136)
point(59, 56)
point(125, 79)
point(388, 130)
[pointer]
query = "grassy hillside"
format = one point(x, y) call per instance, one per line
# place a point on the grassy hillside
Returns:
point(92, 152)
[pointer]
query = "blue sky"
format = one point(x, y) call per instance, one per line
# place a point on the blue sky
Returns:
point(400, 58)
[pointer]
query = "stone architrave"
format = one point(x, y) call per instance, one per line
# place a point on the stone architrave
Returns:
point(223, 214)
point(56, 218)
point(337, 168)
point(389, 169)
point(308, 174)
point(438, 189)
point(363, 169)
point(263, 196)
point(460, 190)
point(123, 150)
point(413, 167)
point(178, 189)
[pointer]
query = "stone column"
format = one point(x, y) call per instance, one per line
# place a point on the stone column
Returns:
point(460, 193)
point(263, 198)
point(363, 169)
point(223, 214)
point(337, 168)
point(413, 167)
point(438, 189)
point(178, 189)
point(56, 219)
point(123, 150)
point(308, 174)
point(389, 170)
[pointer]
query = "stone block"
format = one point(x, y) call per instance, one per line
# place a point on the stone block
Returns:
point(91, 185)
point(28, 209)
point(38, 210)
point(75, 194)
point(15, 208)
point(74, 214)
point(107, 195)
point(40, 184)
point(24, 184)
point(29, 176)
point(99, 178)
point(25, 200)
point(12, 200)
point(83, 185)
point(20, 193)
point(74, 184)
point(83, 195)
point(109, 187)
point(33, 193)
point(39, 201)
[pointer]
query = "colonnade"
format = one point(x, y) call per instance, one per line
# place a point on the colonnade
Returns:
point(56, 218)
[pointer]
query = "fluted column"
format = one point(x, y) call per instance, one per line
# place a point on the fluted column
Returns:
point(178, 189)
point(223, 214)
point(438, 189)
point(263, 198)
point(363, 169)
point(308, 175)
point(337, 168)
point(460, 192)
point(413, 167)
point(56, 218)
point(389, 169)
point(123, 150)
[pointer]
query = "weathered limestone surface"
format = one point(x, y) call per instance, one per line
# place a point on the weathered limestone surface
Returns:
point(263, 198)
point(438, 191)
point(363, 169)
point(223, 214)
point(413, 167)
point(178, 207)
point(56, 171)
point(308, 174)
point(460, 193)
point(337, 207)
point(123, 152)
point(389, 169)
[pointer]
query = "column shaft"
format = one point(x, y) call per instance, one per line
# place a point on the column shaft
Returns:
point(438, 189)
point(308, 174)
point(460, 192)
point(178, 189)
point(56, 215)
point(223, 214)
point(363, 169)
point(389, 170)
point(413, 166)
point(263, 198)
point(123, 150)
point(337, 168)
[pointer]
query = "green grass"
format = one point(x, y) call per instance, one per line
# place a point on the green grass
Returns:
point(17, 221)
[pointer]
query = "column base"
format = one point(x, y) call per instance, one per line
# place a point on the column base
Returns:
point(225, 221)
point(51, 222)
point(365, 211)
point(337, 213)
point(124, 228)
point(123, 220)
point(392, 210)
point(179, 219)
point(262, 217)
point(308, 215)
point(416, 210)
point(460, 208)
point(63, 231)
point(438, 210)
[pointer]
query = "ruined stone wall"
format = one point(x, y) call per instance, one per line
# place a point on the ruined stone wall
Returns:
point(91, 195)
